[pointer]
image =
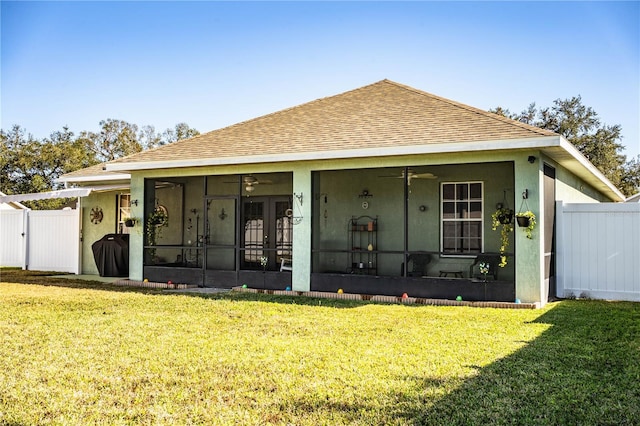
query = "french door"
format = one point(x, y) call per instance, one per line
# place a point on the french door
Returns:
point(266, 232)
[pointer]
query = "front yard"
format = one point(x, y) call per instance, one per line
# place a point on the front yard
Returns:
point(77, 354)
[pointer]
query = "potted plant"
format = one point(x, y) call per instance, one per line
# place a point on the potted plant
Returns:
point(130, 222)
point(526, 220)
point(484, 269)
point(503, 217)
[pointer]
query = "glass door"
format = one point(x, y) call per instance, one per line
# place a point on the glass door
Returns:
point(266, 233)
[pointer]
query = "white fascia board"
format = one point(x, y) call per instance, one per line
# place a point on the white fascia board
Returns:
point(95, 178)
point(439, 148)
point(593, 170)
point(538, 143)
point(61, 193)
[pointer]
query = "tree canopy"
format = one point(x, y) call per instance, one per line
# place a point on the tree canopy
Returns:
point(31, 165)
point(598, 142)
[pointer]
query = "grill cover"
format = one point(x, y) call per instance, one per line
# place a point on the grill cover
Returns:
point(111, 254)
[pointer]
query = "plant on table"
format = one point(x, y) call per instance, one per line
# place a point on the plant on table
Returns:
point(484, 269)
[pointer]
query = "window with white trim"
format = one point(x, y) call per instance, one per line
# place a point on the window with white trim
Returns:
point(123, 202)
point(461, 215)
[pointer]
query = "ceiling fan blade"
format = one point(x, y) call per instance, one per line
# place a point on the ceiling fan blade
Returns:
point(424, 176)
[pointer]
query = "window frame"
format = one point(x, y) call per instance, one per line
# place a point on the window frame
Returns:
point(123, 212)
point(479, 220)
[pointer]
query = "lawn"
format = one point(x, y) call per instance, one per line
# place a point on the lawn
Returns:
point(78, 354)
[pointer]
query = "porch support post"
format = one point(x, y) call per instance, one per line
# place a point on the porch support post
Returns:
point(302, 199)
point(136, 237)
point(529, 254)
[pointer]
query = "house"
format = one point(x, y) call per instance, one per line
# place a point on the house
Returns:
point(384, 189)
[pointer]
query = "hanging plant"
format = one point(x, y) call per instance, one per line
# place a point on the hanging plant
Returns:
point(503, 216)
point(498, 219)
point(130, 222)
point(527, 220)
point(157, 220)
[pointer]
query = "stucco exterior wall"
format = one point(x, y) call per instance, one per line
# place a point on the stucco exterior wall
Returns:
point(572, 189)
point(92, 232)
point(530, 252)
point(136, 235)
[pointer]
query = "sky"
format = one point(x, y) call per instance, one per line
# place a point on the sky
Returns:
point(213, 64)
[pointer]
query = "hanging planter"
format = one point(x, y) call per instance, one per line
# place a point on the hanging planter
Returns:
point(130, 222)
point(523, 221)
point(503, 218)
point(527, 221)
point(158, 219)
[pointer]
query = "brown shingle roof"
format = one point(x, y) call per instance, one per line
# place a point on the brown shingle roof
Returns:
point(380, 115)
point(95, 172)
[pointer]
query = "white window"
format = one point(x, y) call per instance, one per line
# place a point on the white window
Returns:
point(124, 212)
point(461, 215)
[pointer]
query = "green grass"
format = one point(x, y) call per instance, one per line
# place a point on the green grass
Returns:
point(77, 353)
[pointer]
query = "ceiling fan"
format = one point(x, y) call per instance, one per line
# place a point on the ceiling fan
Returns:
point(250, 181)
point(412, 175)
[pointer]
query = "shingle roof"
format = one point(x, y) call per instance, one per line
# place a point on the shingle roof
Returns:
point(95, 172)
point(380, 115)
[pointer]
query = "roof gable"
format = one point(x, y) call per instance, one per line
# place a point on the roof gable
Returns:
point(381, 115)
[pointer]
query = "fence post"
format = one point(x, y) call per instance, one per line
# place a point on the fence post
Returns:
point(25, 239)
point(560, 249)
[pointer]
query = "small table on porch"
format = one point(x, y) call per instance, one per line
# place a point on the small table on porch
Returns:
point(457, 274)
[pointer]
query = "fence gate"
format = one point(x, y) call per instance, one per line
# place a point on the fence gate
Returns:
point(598, 248)
point(12, 237)
point(40, 240)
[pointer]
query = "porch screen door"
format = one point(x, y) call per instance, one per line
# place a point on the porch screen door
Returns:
point(220, 234)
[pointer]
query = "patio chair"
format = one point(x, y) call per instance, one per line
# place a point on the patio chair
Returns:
point(491, 259)
point(417, 265)
point(285, 264)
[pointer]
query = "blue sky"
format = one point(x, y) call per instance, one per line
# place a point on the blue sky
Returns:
point(212, 64)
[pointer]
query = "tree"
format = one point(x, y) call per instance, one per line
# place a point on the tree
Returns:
point(630, 181)
point(149, 138)
point(581, 126)
point(14, 145)
point(117, 138)
point(30, 165)
point(179, 132)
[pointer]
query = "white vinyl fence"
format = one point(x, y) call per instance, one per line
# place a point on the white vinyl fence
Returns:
point(40, 240)
point(12, 239)
point(598, 250)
